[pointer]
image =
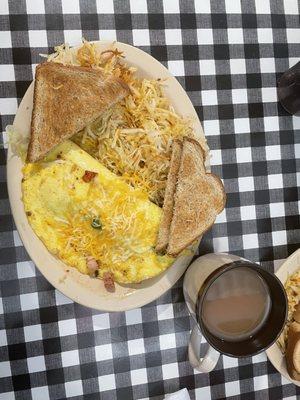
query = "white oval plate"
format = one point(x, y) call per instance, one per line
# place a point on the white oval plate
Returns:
point(81, 288)
point(291, 265)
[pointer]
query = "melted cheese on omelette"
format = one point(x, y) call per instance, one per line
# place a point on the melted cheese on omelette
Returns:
point(61, 208)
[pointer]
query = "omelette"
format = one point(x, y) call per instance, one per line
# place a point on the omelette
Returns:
point(81, 211)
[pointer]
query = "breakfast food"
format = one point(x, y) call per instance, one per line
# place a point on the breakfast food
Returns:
point(66, 99)
point(289, 340)
point(99, 168)
point(292, 288)
point(134, 138)
point(198, 198)
point(164, 228)
point(90, 218)
point(293, 346)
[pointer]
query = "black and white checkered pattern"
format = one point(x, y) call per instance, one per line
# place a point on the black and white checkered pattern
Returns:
point(228, 54)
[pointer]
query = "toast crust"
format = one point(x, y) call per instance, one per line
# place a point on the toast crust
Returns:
point(199, 198)
point(164, 228)
point(66, 99)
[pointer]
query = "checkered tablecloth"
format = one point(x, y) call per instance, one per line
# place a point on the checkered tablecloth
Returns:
point(228, 55)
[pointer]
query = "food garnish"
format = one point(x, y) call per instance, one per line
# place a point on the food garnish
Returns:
point(96, 223)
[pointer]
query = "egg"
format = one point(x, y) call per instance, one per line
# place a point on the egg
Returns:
point(102, 218)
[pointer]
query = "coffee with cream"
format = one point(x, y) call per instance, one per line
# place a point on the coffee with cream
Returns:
point(236, 305)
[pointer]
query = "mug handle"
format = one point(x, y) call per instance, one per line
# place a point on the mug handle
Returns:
point(209, 361)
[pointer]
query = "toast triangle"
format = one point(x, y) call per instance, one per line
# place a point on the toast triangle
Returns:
point(199, 198)
point(66, 99)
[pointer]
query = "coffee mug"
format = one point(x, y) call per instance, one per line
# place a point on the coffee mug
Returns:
point(217, 303)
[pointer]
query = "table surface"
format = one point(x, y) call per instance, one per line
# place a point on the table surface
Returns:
point(228, 56)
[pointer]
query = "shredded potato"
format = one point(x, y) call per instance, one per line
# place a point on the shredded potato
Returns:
point(132, 139)
point(292, 287)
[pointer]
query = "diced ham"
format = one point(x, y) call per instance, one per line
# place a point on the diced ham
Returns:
point(108, 280)
point(88, 176)
point(92, 264)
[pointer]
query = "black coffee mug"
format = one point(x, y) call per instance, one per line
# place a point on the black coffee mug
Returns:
point(289, 90)
point(211, 267)
point(271, 328)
